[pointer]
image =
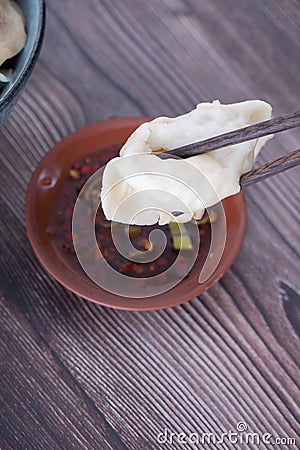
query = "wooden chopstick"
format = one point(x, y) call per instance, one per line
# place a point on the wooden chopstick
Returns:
point(256, 131)
point(281, 164)
point(237, 136)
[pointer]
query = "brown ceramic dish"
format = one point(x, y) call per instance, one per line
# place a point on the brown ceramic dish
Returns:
point(41, 198)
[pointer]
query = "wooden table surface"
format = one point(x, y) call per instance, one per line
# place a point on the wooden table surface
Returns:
point(76, 375)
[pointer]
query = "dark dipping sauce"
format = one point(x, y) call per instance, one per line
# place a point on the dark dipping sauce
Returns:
point(61, 228)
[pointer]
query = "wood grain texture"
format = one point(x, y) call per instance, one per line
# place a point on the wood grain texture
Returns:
point(78, 376)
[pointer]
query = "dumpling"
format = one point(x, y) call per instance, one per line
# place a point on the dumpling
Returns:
point(139, 187)
point(5, 76)
point(12, 30)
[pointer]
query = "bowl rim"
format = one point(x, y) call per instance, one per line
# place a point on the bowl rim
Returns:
point(32, 56)
point(122, 303)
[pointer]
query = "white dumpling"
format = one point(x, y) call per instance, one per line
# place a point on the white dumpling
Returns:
point(12, 30)
point(140, 188)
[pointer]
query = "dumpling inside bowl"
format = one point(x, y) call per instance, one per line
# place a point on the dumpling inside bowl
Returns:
point(12, 34)
point(140, 187)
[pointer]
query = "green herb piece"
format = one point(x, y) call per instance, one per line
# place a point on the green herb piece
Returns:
point(180, 237)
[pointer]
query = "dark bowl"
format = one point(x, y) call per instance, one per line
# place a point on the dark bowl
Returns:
point(23, 63)
point(41, 199)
